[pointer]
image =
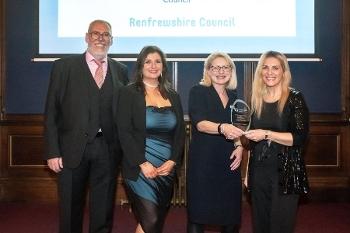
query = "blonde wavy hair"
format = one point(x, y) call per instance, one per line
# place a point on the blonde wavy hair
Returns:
point(259, 87)
point(206, 80)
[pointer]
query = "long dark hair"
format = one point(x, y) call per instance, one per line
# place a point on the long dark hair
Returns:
point(164, 84)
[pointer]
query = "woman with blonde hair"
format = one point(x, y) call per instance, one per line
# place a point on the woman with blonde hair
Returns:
point(279, 129)
point(215, 154)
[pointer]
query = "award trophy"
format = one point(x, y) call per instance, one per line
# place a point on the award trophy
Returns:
point(240, 114)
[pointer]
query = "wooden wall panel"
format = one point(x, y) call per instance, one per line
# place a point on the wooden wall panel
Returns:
point(327, 161)
point(25, 176)
point(26, 150)
point(323, 150)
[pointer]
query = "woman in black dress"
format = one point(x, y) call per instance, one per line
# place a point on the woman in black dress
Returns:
point(280, 126)
point(151, 132)
point(215, 154)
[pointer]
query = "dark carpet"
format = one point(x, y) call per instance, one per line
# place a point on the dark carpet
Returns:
point(42, 218)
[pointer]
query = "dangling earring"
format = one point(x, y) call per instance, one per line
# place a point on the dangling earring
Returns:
point(160, 77)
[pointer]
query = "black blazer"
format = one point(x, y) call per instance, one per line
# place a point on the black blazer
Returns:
point(132, 129)
point(67, 107)
point(291, 166)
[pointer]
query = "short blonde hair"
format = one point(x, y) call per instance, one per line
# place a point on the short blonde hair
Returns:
point(206, 81)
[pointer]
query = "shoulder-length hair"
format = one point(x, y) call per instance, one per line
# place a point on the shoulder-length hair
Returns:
point(259, 87)
point(164, 84)
point(206, 80)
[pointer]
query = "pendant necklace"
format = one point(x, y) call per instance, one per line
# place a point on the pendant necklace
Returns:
point(150, 85)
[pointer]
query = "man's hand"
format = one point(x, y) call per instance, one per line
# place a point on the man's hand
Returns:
point(55, 164)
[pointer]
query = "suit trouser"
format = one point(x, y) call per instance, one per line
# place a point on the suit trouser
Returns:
point(96, 172)
point(272, 212)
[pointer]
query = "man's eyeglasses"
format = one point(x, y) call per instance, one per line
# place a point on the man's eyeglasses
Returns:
point(96, 35)
point(216, 69)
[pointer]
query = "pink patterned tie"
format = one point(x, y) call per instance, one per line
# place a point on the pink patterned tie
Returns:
point(99, 79)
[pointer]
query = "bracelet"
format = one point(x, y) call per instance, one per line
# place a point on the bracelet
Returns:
point(219, 129)
point(238, 145)
point(267, 134)
point(144, 163)
point(222, 129)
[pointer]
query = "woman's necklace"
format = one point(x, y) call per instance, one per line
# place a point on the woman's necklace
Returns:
point(271, 98)
point(150, 85)
point(223, 92)
point(223, 96)
point(153, 97)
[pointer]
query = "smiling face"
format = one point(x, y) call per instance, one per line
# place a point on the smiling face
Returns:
point(272, 72)
point(220, 71)
point(99, 39)
point(152, 67)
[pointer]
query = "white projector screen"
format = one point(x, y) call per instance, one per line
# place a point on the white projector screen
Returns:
point(181, 28)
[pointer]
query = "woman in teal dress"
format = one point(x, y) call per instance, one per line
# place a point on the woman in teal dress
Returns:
point(151, 130)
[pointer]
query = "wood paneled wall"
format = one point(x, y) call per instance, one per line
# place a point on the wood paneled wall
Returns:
point(25, 177)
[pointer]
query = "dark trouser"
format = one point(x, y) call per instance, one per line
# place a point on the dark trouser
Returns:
point(199, 228)
point(272, 211)
point(98, 172)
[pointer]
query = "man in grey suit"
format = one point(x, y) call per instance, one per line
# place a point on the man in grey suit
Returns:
point(80, 131)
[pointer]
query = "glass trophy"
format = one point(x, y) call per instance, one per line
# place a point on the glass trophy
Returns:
point(240, 114)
